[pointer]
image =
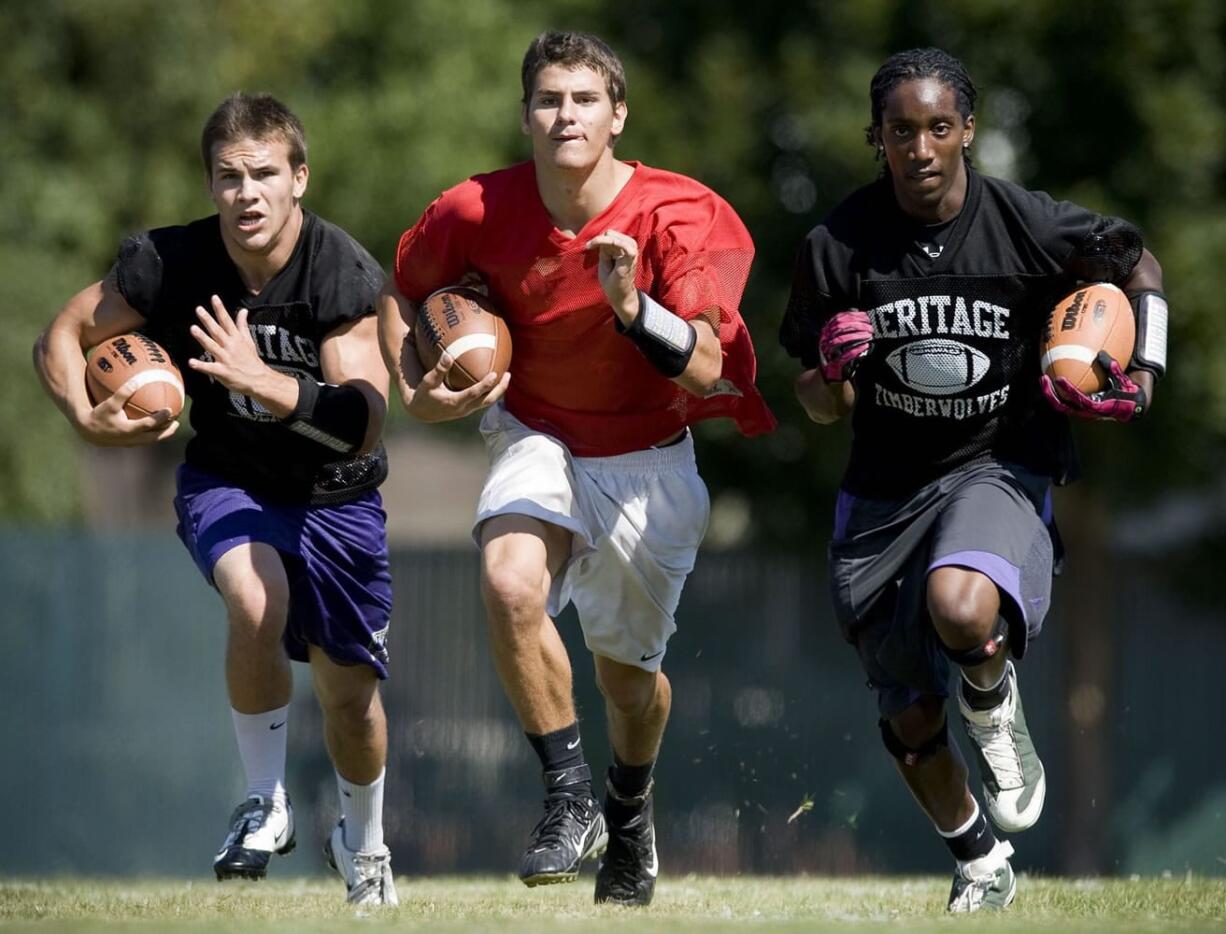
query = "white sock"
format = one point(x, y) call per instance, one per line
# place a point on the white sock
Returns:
point(261, 746)
point(362, 808)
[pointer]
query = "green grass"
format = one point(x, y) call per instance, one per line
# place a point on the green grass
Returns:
point(682, 904)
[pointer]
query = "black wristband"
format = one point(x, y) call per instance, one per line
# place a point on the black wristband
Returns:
point(334, 416)
point(666, 340)
point(308, 396)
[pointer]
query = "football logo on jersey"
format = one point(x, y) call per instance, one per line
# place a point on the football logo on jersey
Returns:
point(938, 366)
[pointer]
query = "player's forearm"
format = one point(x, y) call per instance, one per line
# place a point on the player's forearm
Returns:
point(824, 402)
point(396, 341)
point(706, 364)
point(60, 365)
point(277, 392)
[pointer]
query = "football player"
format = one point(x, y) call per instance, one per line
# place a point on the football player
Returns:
point(620, 284)
point(268, 310)
point(917, 306)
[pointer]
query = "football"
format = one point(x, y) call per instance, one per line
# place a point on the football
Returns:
point(464, 323)
point(112, 363)
point(1095, 317)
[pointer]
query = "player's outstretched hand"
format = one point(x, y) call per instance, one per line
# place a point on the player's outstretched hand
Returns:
point(843, 340)
point(617, 269)
point(108, 425)
point(433, 401)
point(1122, 400)
point(231, 356)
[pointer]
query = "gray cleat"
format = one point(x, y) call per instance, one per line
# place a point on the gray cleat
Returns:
point(986, 882)
point(1013, 782)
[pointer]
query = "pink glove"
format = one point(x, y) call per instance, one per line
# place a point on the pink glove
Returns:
point(844, 339)
point(1122, 400)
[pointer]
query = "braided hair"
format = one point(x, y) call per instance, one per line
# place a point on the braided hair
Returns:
point(914, 65)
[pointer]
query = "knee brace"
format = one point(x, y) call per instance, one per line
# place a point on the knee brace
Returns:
point(969, 658)
point(905, 754)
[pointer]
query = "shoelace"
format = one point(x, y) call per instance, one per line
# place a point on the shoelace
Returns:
point(549, 831)
point(247, 814)
point(976, 888)
point(368, 869)
point(1000, 749)
point(625, 859)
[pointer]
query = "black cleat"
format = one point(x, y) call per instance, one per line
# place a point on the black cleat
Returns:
point(571, 831)
point(258, 828)
point(628, 869)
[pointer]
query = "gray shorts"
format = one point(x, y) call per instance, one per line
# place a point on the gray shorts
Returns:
point(988, 517)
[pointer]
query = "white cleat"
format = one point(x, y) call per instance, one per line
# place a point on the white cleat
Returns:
point(368, 876)
point(258, 828)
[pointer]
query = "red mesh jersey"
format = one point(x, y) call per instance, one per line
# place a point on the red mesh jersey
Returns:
point(572, 375)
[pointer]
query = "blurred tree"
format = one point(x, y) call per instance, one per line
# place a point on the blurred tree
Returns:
point(1116, 104)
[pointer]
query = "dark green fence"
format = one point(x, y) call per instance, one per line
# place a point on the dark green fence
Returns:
point(119, 757)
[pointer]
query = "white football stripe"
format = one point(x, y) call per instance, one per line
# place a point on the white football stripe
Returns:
point(1076, 352)
point(457, 348)
point(149, 377)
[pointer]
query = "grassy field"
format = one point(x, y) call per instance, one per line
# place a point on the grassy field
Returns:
point(683, 904)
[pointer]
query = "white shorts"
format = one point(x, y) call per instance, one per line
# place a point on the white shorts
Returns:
point(636, 521)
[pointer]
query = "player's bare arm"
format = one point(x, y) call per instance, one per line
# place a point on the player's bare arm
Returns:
point(424, 392)
point(232, 359)
point(349, 356)
point(93, 315)
point(824, 402)
point(616, 268)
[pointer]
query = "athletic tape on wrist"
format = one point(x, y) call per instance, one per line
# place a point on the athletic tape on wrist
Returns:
point(1150, 310)
point(666, 340)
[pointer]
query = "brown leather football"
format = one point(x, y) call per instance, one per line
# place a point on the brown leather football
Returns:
point(463, 322)
point(1094, 317)
point(134, 356)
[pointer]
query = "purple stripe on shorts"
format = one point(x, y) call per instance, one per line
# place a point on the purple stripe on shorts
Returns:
point(842, 514)
point(1006, 576)
point(1047, 513)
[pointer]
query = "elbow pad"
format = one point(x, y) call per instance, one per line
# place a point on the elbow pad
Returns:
point(1150, 310)
point(1108, 253)
point(666, 340)
point(333, 416)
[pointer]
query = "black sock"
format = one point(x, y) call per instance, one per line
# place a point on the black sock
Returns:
point(977, 840)
point(630, 781)
point(561, 755)
point(986, 698)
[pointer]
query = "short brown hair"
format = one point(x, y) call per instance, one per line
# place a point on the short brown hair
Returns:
point(574, 50)
point(253, 116)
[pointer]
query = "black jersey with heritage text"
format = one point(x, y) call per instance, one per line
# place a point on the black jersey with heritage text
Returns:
point(957, 315)
point(330, 280)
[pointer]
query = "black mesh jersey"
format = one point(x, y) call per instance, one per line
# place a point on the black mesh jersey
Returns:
point(953, 373)
point(330, 280)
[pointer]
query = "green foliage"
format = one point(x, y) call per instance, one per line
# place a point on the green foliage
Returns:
point(1116, 104)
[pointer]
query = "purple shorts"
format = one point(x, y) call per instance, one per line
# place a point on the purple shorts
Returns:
point(335, 559)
